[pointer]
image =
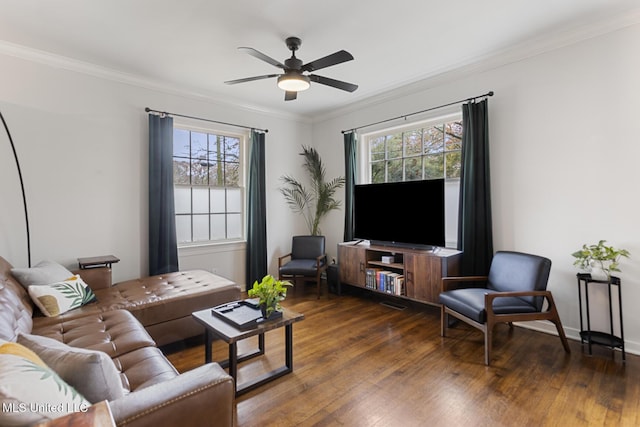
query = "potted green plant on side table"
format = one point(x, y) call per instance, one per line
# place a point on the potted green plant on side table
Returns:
point(270, 292)
point(599, 260)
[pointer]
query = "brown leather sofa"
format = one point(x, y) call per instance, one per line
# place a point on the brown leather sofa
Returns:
point(155, 393)
point(163, 303)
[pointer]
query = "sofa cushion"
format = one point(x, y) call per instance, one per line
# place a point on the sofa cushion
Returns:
point(43, 273)
point(90, 372)
point(31, 392)
point(114, 332)
point(16, 308)
point(144, 367)
point(167, 297)
point(59, 297)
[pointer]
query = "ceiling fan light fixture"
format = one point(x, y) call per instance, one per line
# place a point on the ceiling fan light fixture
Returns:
point(293, 82)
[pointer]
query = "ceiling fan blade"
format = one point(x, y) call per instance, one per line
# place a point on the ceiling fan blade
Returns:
point(290, 96)
point(250, 79)
point(257, 54)
point(349, 87)
point(327, 61)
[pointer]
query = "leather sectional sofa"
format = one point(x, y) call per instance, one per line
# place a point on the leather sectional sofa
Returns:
point(127, 322)
point(163, 303)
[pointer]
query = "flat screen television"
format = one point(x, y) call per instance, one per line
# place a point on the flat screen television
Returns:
point(407, 214)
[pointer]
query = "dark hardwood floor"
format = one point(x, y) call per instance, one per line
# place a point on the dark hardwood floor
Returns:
point(360, 363)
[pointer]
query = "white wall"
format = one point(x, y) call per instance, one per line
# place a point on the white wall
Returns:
point(564, 150)
point(82, 142)
point(564, 145)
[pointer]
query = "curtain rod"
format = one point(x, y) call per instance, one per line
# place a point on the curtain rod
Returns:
point(149, 110)
point(473, 98)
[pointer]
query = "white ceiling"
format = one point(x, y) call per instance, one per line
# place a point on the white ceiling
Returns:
point(191, 45)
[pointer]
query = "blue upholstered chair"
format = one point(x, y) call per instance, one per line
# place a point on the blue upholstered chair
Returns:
point(514, 291)
point(307, 260)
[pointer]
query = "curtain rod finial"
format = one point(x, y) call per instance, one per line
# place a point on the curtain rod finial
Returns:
point(490, 93)
point(147, 109)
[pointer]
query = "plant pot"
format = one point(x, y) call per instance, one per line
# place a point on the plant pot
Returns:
point(598, 273)
point(275, 314)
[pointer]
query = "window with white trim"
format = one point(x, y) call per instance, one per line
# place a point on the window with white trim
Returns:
point(208, 185)
point(423, 151)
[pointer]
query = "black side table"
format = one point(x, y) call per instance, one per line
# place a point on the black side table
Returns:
point(607, 339)
point(97, 261)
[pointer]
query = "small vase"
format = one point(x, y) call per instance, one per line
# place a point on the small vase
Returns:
point(263, 309)
point(598, 273)
point(274, 314)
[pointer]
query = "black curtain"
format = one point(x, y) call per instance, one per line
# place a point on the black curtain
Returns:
point(475, 232)
point(256, 263)
point(350, 182)
point(163, 247)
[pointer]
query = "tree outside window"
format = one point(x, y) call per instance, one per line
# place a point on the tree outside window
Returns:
point(207, 186)
point(422, 153)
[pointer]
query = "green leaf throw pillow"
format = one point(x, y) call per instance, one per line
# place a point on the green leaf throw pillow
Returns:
point(58, 298)
point(91, 372)
point(31, 392)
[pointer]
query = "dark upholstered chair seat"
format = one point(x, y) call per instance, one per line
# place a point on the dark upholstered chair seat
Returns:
point(470, 303)
point(300, 267)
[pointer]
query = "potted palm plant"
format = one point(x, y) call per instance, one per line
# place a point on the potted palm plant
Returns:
point(315, 202)
point(599, 259)
point(270, 292)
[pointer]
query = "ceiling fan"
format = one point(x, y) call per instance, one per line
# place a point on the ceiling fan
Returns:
point(294, 80)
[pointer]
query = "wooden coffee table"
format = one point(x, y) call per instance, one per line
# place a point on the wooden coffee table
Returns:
point(216, 327)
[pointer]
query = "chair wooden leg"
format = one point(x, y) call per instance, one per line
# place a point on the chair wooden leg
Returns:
point(488, 339)
point(555, 318)
point(563, 337)
point(318, 281)
point(561, 334)
point(443, 321)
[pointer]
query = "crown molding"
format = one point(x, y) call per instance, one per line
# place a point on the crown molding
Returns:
point(70, 64)
point(485, 62)
point(465, 68)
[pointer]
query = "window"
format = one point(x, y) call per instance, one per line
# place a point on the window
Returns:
point(427, 150)
point(208, 186)
point(418, 152)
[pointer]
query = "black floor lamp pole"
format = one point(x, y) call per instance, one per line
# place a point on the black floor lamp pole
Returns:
point(24, 198)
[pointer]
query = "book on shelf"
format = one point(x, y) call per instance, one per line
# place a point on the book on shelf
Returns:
point(386, 281)
point(382, 280)
point(371, 278)
point(390, 284)
point(399, 285)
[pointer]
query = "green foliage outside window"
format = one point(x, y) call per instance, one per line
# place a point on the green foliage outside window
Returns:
point(207, 186)
point(423, 153)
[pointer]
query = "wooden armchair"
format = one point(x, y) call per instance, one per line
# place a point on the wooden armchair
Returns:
point(307, 260)
point(514, 291)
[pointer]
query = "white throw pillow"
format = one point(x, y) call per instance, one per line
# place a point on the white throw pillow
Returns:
point(43, 273)
point(91, 372)
point(57, 298)
point(30, 391)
